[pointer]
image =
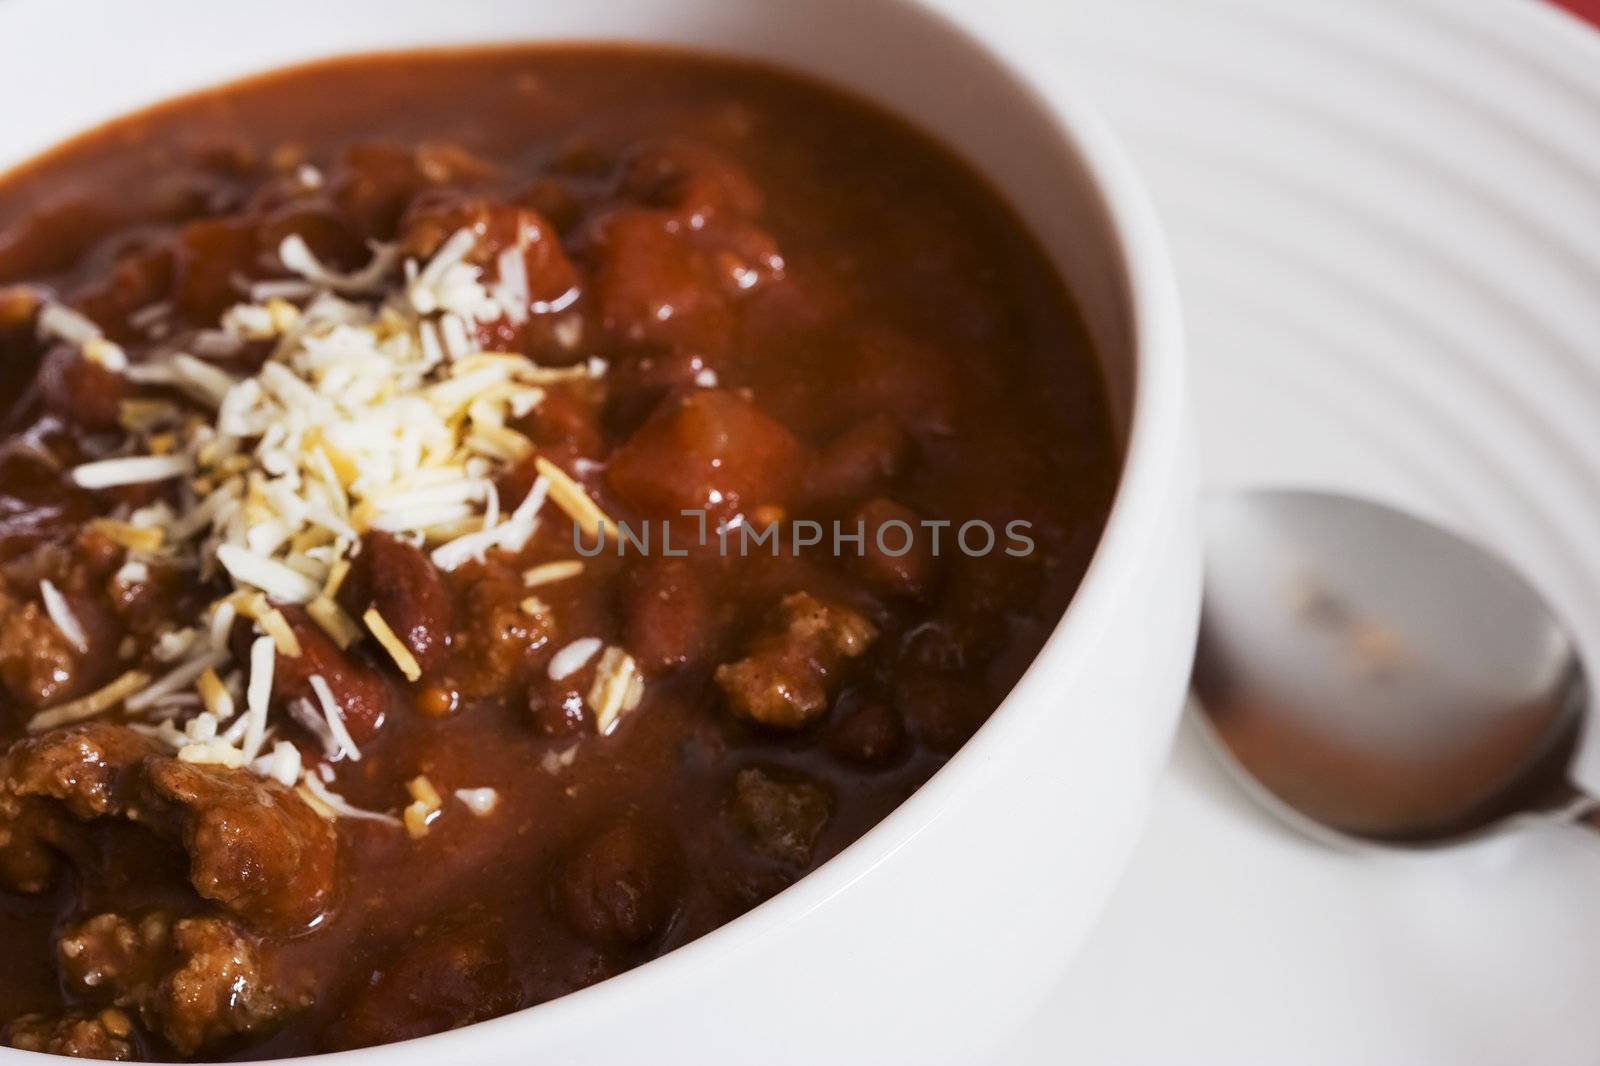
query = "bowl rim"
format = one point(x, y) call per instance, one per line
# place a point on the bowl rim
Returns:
point(1154, 432)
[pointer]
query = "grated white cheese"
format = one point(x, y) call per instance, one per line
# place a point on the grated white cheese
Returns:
point(572, 658)
point(181, 677)
point(553, 762)
point(130, 470)
point(173, 645)
point(480, 801)
point(313, 784)
point(57, 321)
point(373, 409)
point(333, 715)
point(282, 764)
point(277, 580)
point(549, 573)
point(86, 707)
point(60, 612)
point(257, 695)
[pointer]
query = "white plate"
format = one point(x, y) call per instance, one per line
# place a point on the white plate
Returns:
point(1386, 219)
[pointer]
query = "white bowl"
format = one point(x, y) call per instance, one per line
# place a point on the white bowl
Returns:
point(932, 935)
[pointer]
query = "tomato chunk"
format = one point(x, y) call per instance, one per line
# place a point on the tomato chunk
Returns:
point(709, 450)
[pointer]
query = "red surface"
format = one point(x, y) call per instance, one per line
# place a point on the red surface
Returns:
point(1589, 9)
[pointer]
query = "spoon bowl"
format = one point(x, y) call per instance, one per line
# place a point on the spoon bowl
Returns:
point(1372, 677)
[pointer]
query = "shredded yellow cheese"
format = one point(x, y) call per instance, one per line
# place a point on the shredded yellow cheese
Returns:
point(277, 627)
point(331, 617)
point(618, 687)
point(549, 573)
point(336, 575)
point(424, 806)
point(314, 801)
point(218, 700)
point(392, 644)
point(571, 498)
point(94, 703)
point(136, 538)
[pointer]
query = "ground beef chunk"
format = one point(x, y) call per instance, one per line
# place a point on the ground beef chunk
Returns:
point(791, 667)
point(48, 782)
point(780, 812)
point(79, 1034)
point(498, 641)
point(195, 981)
point(106, 955)
point(38, 664)
point(254, 846)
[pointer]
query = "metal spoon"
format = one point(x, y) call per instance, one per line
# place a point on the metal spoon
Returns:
point(1371, 677)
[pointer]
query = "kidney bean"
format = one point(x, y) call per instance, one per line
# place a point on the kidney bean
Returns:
point(82, 392)
point(942, 709)
point(867, 732)
point(557, 708)
point(896, 555)
point(639, 381)
point(622, 886)
point(453, 972)
point(564, 421)
point(652, 285)
point(865, 457)
point(371, 185)
point(410, 593)
point(694, 179)
point(360, 690)
point(209, 255)
point(670, 612)
point(140, 277)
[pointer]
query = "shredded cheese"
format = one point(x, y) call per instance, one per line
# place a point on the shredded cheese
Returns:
point(130, 470)
point(549, 573)
point(618, 687)
point(270, 576)
point(218, 700)
point(333, 715)
point(60, 612)
point(571, 498)
point(128, 535)
point(334, 622)
point(372, 410)
point(480, 801)
point(89, 706)
point(572, 658)
point(392, 644)
point(331, 803)
point(424, 807)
